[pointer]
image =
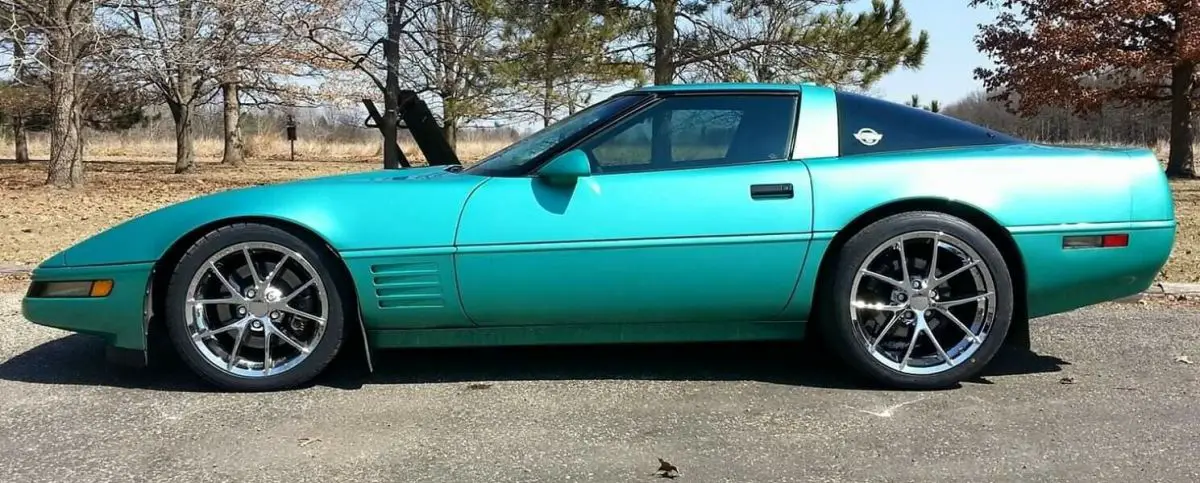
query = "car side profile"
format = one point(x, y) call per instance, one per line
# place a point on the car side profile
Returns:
point(913, 243)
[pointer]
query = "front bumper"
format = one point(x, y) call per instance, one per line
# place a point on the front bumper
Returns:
point(118, 318)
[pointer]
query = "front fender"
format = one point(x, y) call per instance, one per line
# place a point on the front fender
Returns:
point(409, 208)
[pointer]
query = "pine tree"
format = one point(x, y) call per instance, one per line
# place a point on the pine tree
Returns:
point(556, 50)
point(777, 40)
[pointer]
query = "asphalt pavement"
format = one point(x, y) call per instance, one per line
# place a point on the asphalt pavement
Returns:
point(1102, 397)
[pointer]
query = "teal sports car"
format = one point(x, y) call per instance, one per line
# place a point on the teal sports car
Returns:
point(914, 244)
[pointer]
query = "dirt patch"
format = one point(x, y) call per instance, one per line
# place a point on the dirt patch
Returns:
point(1184, 265)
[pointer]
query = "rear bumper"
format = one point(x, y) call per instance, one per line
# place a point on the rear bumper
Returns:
point(1060, 279)
point(118, 318)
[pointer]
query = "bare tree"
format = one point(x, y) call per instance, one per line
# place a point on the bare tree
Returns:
point(352, 43)
point(68, 36)
point(259, 55)
point(174, 45)
point(17, 27)
point(450, 48)
point(1085, 55)
point(442, 49)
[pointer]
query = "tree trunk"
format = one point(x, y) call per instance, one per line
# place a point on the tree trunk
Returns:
point(66, 163)
point(20, 139)
point(547, 101)
point(391, 92)
point(235, 149)
point(450, 131)
point(1180, 162)
point(185, 152)
point(664, 41)
point(450, 120)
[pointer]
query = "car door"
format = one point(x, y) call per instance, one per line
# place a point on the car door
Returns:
point(694, 213)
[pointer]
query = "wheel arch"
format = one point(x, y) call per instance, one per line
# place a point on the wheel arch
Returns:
point(1018, 331)
point(160, 275)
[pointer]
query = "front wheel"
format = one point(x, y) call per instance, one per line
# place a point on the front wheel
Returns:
point(254, 307)
point(919, 300)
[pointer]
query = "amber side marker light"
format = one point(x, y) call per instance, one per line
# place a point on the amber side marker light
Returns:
point(1112, 240)
point(73, 289)
point(101, 288)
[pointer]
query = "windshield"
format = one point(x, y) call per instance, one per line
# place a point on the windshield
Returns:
point(513, 159)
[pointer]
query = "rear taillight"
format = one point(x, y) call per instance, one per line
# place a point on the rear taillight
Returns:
point(1110, 240)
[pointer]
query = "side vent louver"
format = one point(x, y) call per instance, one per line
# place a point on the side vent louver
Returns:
point(408, 285)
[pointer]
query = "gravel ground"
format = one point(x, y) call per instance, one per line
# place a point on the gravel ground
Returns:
point(739, 413)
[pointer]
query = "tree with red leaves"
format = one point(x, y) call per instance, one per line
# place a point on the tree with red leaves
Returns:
point(1084, 54)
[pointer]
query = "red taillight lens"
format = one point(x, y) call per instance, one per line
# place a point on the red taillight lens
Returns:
point(1116, 240)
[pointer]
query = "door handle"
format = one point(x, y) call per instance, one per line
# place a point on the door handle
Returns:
point(772, 191)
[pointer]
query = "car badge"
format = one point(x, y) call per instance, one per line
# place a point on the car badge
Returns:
point(868, 136)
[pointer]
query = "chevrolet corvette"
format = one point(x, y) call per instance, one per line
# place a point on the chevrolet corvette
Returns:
point(911, 244)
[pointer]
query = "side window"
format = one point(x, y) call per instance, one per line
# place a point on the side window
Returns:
point(698, 131)
point(702, 134)
point(868, 125)
point(629, 148)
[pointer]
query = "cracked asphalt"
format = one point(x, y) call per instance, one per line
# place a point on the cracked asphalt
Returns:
point(725, 412)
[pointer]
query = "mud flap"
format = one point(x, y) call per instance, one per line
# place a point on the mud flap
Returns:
point(362, 329)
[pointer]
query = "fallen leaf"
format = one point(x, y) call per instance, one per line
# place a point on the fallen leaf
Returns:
point(667, 470)
point(1183, 359)
point(1067, 380)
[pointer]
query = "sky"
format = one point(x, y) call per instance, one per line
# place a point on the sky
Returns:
point(949, 71)
point(948, 74)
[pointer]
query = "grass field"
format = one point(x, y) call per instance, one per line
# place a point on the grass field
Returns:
point(37, 221)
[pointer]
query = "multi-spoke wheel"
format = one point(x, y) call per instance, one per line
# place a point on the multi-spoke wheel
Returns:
point(253, 307)
point(919, 300)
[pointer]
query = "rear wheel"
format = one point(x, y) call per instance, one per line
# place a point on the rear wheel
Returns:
point(254, 307)
point(919, 300)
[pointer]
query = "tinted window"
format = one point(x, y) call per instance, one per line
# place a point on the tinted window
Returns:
point(515, 158)
point(869, 125)
point(698, 131)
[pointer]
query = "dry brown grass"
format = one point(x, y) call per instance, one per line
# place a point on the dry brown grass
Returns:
point(131, 179)
point(258, 147)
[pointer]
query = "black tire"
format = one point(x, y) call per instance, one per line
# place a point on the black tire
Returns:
point(193, 260)
point(837, 328)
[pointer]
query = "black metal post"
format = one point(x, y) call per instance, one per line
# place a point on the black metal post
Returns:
point(291, 134)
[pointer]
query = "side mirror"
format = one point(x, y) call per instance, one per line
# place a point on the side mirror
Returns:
point(566, 167)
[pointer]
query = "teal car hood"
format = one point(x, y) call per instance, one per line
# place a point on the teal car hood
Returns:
point(406, 208)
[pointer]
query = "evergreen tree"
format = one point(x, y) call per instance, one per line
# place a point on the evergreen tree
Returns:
point(555, 51)
point(776, 40)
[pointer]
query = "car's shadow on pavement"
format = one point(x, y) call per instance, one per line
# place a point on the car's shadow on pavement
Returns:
point(79, 360)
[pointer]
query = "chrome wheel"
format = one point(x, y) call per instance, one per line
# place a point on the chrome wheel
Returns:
point(923, 302)
point(256, 309)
